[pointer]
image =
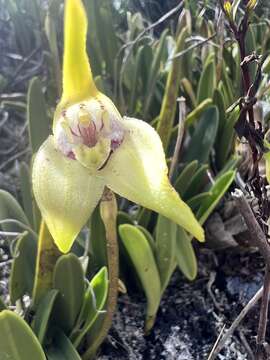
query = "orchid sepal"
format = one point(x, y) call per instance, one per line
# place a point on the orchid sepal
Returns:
point(65, 192)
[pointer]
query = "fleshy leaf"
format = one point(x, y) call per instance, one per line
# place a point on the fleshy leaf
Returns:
point(65, 192)
point(78, 82)
point(137, 170)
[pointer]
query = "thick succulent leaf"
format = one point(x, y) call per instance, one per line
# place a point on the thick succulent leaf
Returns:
point(153, 72)
point(65, 192)
point(194, 115)
point(185, 256)
point(43, 314)
point(97, 240)
point(226, 139)
point(148, 237)
point(26, 190)
point(23, 267)
point(78, 82)
point(10, 209)
point(143, 260)
point(38, 121)
point(165, 248)
point(169, 102)
point(62, 348)
point(196, 183)
point(185, 177)
point(17, 341)
point(68, 278)
point(124, 218)
point(94, 300)
point(137, 170)
point(207, 81)
point(196, 200)
point(217, 190)
point(106, 34)
point(204, 136)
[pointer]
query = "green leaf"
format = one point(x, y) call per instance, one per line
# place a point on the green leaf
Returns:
point(27, 198)
point(10, 209)
point(231, 164)
point(62, 348)
point(123, 218)
point(144, 263)
point(195, 202)
point(196, 183)
point(219, 188)
point(146, 59)
point(169, 102)
point(183, 180)
point(193, 116)
point(135, 81)
point(94, 301)
point(91, 7)
point(165, 249)
point(204, 136)
point(207, 81)
point(23, 267)
point(220, 104)
point(149, 237)
point(225, 145)
point(185, 256)
point(144, 217)
point(38, 122)
point(68, 278)
point(17, 341)
point(51, 33)
point(228, 85)
point(43, 314)
point(189, 92)
point(154, 71)
point(98, 240)
point(251, 46)
point(107, 35)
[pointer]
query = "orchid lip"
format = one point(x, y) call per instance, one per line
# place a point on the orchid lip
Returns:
point(88, 125)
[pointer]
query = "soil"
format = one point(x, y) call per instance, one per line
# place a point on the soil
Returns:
point(192, 314)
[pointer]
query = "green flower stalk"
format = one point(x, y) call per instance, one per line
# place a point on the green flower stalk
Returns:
point(93, 146)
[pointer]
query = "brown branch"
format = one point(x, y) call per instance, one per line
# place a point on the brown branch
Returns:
point(258, 239)
point(263, 316)
point(257, 236)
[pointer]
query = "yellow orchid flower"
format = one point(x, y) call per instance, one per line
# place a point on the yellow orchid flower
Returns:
point(93, 146)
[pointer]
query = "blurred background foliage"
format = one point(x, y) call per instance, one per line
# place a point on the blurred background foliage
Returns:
point(145, 55)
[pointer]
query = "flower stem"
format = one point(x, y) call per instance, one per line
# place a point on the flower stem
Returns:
point(263, 315)
point(108, 212)
point(47, 255)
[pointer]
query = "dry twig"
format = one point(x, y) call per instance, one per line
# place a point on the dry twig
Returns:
point(221, 341)
point(181, 128)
